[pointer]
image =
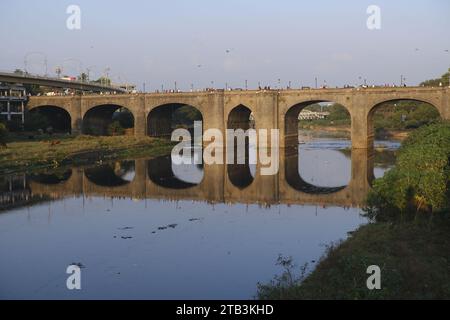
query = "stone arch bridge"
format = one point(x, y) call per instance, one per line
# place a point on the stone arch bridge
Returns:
point(220, 109)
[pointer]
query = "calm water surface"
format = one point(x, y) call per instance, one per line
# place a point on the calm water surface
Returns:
point(168, 244)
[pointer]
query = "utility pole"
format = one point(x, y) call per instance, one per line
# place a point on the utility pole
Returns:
point(246, 85)
point(175, 86)
point(316, 82)
point(144, 87)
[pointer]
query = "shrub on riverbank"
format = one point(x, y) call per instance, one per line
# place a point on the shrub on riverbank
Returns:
point(420, 180)
point(413, 256)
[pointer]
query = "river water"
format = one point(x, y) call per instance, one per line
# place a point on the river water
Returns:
point(151, 230)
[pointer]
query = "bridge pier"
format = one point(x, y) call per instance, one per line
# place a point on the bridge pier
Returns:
point(445, 110)
point(140, 123)
point(362, 133)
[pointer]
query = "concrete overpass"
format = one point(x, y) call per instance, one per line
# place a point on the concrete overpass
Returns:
point(231, 109)
point(57, 83)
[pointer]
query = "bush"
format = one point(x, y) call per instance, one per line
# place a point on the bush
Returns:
point(125, 118)
point(35, 121)
point(3, 135)
point(115, 129)
point(420, 180)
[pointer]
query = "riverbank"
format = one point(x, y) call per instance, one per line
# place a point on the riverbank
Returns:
point(408, 237)
point(414, 258)
point(343, 131)
point(57, 151)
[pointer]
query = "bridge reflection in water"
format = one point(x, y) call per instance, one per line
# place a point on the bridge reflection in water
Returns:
point(161, 179)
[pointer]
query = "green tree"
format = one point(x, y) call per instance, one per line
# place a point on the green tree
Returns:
point(3, 135)
point(35, 121)
point(83, 77)
point(125, 118)
point(444, 80)
point(420, 180)
point(338, 112)
point(104, 81)
point(115, 129)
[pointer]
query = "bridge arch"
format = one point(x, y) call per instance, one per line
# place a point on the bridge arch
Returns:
point(295, 154)
point(163, 119)
point(117, 174)
point(291, 119)
point(164, 173)
point(409, 112)
point(107, 120)
point(58, 118)
point(241, 172)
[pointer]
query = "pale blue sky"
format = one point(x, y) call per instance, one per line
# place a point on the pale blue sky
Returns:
point(159, 42)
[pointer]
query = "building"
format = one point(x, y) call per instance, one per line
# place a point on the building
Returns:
point(13, 99)
point(311, 115)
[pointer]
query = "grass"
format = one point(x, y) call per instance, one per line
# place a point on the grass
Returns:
point(414, 258)
point(56, 151)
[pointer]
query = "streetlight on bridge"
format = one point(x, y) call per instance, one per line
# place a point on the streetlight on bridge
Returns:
point(402, 80)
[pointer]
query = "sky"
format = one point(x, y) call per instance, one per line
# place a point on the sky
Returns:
point(203, 43)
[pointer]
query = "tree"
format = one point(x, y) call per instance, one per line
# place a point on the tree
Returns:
point(3, 135)
point(35, 121)
point(83, 77)
point(420, 180)
point(444, 80)
point(338, 112)
point(115, 129)
point(104, 81)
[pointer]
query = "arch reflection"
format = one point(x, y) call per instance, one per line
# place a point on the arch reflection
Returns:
point(51, 178)
point(111, 175)
point(303, 166)
point(169, 172)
